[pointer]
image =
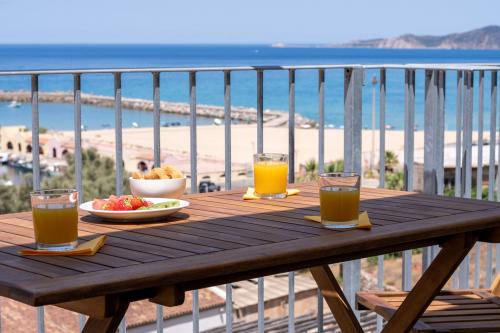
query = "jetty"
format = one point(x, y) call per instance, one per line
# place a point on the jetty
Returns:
point(241, 114)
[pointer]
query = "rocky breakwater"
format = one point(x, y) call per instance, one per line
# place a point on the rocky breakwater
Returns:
point(242, 114)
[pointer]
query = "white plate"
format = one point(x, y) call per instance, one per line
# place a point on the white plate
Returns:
point(132, 215)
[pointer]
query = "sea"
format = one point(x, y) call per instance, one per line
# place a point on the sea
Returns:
point(210, 90)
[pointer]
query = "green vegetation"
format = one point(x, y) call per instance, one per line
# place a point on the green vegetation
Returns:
point(98, 182)
point(16, 198)
point(391, 161)
point(394, 180)
point(311, 169)
point(449, 191)
point(393, 255)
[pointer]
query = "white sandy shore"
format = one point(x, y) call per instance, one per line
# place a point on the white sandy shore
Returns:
point(175, 144)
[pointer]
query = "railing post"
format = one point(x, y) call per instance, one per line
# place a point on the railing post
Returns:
point(194, 177)
point(479, 170)
point(156, 120)
point(260, 111)
point(382, 129)
point(196, 311)
point(227, 129)
point(439, 128)
point(291, 125)
point(260, 305)
point(430, 139)
point(321, 123)
point(227, 179)
point(459, 127)
point(380, 286)
point(433, 142)
point(480, 125)
point(35, 132)
point(291, 302)
point(78, 135)
point(229, 308)
point(409, 131)
point(77, 93)
point(192, 132)
point(319, 317)
point(159, 318)
point(439, 135)
point(493, 121)
point(380, 258)
point(157, 163)
point(491, 169)
point(40, 317)
point(458, 151)
point(409, 128)
point(118, 134)
point(353, 83)
point(468, 107)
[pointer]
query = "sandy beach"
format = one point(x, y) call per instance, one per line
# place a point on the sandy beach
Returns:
point(175, 145)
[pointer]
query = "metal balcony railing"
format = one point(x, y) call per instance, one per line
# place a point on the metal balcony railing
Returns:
point(434, 91)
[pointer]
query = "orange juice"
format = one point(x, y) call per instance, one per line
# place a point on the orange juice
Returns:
point(339, 204)
point(270, 177)
point(55, 225)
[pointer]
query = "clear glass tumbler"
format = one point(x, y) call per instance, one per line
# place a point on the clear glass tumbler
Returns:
point(270, 174)
point(339, 199)
point(55, 219)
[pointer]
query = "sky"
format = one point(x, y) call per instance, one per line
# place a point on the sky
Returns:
point(234, 21)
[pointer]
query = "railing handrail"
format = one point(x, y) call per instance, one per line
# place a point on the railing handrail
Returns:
point(435, 66)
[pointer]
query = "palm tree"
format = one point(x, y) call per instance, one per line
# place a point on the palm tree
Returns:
point(335, 166)
point(391, 161)
point(311, 166)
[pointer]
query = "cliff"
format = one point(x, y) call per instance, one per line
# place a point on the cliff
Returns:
point(486, 38)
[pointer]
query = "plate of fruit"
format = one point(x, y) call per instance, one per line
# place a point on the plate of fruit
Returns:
point(130, 207)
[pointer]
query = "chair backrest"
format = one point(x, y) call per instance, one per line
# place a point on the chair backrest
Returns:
point(495, 286)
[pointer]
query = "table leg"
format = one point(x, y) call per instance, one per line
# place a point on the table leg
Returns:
point(108, 324)
point(418, 299)
point(336, 300)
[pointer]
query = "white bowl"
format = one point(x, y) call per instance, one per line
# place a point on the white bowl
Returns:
point(158, 188)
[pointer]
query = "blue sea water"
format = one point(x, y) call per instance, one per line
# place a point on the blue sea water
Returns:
point(174, 86)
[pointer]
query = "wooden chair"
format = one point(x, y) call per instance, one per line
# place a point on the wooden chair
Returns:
point(470, 310)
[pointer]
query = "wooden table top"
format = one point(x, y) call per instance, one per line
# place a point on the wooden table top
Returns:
point(221, 238)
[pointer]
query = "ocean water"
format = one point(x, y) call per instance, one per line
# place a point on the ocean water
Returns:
point(174, 86)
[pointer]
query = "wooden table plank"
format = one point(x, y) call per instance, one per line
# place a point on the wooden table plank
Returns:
point(26, 236)
point(238, 239)
point(147, 235)
point(22, 227)
point(190, 242)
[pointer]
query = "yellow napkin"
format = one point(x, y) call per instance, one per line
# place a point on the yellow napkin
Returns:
point(85, 249)
point(250, 194)
point(363, 222)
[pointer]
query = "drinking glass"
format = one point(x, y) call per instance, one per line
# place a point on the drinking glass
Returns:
point(339, 199)
point(55, 219)
point(270, 172)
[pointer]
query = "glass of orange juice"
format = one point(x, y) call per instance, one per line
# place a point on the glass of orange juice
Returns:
point(55, 219)
point(270, 172)
point(339, 199)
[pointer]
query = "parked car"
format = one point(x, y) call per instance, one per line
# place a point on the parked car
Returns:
point(207, 186)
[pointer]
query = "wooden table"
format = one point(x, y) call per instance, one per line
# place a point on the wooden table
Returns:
point(221, 239)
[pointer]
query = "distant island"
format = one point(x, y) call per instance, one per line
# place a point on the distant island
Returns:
point(487, 38)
